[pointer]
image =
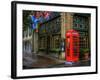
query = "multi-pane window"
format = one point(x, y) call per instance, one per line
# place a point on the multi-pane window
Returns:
point(55, 41)
point(51, 27)
point(81, 24)
point(43, 42)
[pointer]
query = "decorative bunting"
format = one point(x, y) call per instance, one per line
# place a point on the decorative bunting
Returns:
point(39, 18)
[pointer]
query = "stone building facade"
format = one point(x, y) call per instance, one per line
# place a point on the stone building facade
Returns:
point(47, 40)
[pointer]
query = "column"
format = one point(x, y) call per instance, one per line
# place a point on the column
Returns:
point(35, 42)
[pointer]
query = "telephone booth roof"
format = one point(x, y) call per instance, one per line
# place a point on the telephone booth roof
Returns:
point(72, 32)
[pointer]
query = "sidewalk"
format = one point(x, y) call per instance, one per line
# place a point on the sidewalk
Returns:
point(47, 61)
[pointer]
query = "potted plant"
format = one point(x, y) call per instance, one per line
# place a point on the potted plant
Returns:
point(84, 54)
point(56, 50)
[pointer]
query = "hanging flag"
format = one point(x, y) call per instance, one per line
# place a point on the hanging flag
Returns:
point(38, 18)
point(47, 15)
point(33, 18)
point(38, 14)
point(33, 26)
point(35, 22)
point(41, 19)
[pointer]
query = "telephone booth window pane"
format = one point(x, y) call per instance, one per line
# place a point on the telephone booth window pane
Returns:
point(68, 46)
point(75, 45)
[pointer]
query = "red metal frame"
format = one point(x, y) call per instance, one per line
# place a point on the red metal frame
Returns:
point(72, 46)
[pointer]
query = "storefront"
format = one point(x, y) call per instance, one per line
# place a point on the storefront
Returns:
point(49, 36)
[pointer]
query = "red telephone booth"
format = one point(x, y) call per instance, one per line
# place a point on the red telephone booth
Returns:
point(72, 46)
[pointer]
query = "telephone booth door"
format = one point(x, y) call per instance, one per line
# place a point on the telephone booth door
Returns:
point(72, 46)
